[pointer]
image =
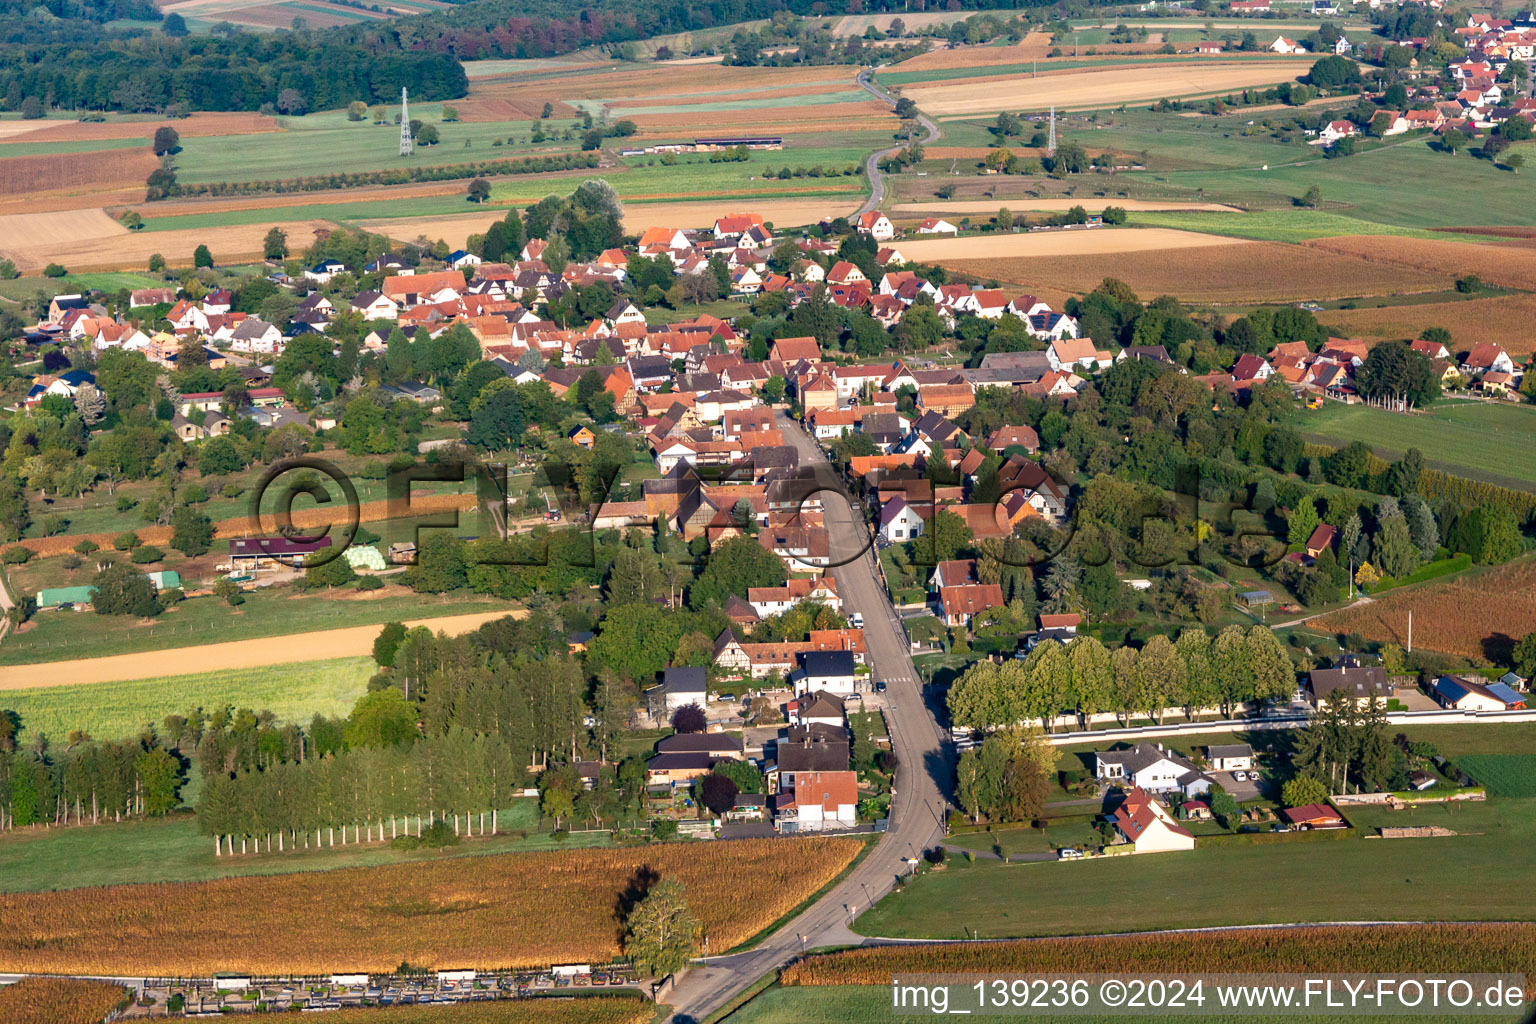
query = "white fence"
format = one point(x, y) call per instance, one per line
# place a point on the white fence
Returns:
point(1289, 721)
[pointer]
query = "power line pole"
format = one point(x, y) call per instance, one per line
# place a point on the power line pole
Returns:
point(1050, 142)
point(407, 144)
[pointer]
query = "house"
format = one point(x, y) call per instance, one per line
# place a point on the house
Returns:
point(582, 436)
point(821, 801)
point(1467, 694)
point(716, 744)
point(677, 769)
point(1287, 46)
point(150, 297)
point(459, 259)
point(1230, 757)
point(817, 711)
point(322, 272)
point(899, 521)
point(257, 336)
point(1006, 437)
point(1311, 816)
point(1077, 353)
point(959, 605)
point(1321, 540)
point(876, 225)
point(1486, 357)
point(1333, 131)
point(680, 686)
point(374, 305)
point(1063, 622)
point(766, 601)
point(1250, 367)
point(826, 672)
point(1360, 682)
point(1146, 824)
point(935, 226)
point(945, 399)
point(1149, 767)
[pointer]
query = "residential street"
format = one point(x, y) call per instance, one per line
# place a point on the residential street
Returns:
point(923, 775)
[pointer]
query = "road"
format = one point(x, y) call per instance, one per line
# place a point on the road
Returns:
point(872, 162)
point(923, 773)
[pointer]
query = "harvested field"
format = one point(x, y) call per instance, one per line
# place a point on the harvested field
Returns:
point(80, 172)
point(1082, 242)
point(1504, 320)
point(1478, 616)
point(1504, 230)
point(870, 115)
point(1033, 46)
point(1245, 272)
point(1510, 265)
point(1025, 204)
point(59, 1001)
point(89, 240)
point(1399, 949)
point(637, 217)
point(856, 24)
point(1094, 88)
point(199, 124)
point(510, 910)
point(233, 655)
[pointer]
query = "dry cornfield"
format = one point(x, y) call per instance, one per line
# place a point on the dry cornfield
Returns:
point(1227, 273)
point(1473, 948)
point(1033, 46)
point(1480, 617)
point(1504, 320)
point(1511, 265)
point(590, 1009)
point(513, 910)
point(59, 1001)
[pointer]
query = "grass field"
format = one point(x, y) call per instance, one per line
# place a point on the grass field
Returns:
point(1507, 775)
point(294, 692)
point(1277, 225)
point(63, 635)
point(1237, 884)
point(1489, 440)
point(172, 850)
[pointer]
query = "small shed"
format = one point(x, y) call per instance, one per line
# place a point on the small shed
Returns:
point(1256, 598)
point(165, 579)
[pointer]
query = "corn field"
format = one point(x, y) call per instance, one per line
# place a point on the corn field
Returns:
point(1472, 948)
point(59, 1001)
point(583, 1010)
point(512, 910)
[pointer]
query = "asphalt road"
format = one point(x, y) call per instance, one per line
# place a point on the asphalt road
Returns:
point(922, 777)
point(872, 162)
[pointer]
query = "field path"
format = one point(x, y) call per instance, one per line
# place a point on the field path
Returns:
point(271, 650)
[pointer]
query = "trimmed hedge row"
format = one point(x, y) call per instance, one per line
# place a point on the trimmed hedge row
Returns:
point(390, 176)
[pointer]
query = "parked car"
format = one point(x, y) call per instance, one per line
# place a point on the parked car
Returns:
point(1068, 853)
point(855, 620)
point(1240, 776)
point(880, 686)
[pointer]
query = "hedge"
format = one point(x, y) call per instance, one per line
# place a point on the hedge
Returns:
point(390, 176)
point(1314, 835)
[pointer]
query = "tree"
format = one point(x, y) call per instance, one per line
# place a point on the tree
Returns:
point(1223, 806)
point(1303, 790)
point(381, 718)
point(1313, 197)
point(192, 531)
point(124, 590)
point(1523, 657)
point(387, 643)
point(275, 245)
point(734, 565)
point(660, 934)
point(1489, 533)
point(31, 108)
point(746, 777)
point(428, 135)
point(1394, 373)
point(689, 718)
point(1452, 140)
point(357, 110)
point(201, 257)
point(479, 191)
point(1302, 521)
point(717, 793)
point(167, 140)
point(291, 101)
point(174, 25)
point(945, 536)
point(1395, 553)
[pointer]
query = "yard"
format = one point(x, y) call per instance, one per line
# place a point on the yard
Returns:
point(1235, 884)
point(172, 850)
point(1493, 441)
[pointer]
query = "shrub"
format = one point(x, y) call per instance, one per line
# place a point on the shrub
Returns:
point(145, 554)
point(17, 554)
point(126, 541)
point(86, 546)
point(370, 583)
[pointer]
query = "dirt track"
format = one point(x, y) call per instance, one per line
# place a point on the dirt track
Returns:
point(271, 650)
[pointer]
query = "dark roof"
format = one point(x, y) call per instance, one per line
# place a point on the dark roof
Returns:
point(679, 762)
point(1230, 750)
point(747, 830)
point(684, 679)
point(813, 756)
point(699, 742)
point(1357, 681)
point(1141, 756)
point(827, 663)
point(269, 547)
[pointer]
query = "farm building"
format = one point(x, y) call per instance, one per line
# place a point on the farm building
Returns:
point(58, 597)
